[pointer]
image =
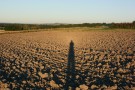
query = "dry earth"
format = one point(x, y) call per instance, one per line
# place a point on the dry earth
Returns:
point(49, 60)
point(1, 31)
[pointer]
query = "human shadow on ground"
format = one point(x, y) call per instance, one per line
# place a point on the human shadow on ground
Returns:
point(70, 77)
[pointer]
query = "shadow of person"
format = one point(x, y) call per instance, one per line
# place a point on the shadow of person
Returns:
point(70, 77)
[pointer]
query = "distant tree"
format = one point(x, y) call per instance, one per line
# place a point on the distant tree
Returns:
point(133, 22)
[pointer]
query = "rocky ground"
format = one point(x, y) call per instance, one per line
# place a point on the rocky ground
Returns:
point(49, 60)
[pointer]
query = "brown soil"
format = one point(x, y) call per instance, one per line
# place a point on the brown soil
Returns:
point(49, 60)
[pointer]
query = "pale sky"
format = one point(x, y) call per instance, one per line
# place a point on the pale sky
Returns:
point(67, 11)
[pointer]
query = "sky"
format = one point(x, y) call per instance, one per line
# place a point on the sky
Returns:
point(67, 11)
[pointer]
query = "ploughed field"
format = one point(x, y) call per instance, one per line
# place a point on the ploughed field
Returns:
point(78, 60)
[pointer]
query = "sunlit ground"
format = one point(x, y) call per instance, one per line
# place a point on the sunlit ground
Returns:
point(42, 60)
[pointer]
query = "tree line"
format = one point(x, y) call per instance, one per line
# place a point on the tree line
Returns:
point(10, 26)
point(123, 25)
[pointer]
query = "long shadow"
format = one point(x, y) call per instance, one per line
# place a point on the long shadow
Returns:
point(70, 78)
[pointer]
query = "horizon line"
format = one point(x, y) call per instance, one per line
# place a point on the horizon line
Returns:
point(63, 23)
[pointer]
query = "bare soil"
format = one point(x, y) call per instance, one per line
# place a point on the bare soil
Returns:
point(78, 60)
